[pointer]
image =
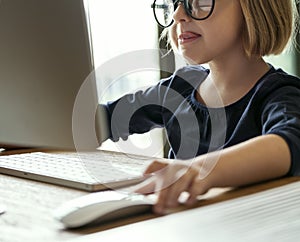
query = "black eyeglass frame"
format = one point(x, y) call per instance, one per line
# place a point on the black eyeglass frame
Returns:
point(185, 4)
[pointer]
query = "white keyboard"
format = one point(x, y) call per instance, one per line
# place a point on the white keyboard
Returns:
point(88, 171)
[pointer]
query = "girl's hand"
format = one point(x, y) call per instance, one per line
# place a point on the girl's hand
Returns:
point(170, 179)
point(259, 159)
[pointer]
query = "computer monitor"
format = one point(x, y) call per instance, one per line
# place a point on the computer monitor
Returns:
point(44, 59)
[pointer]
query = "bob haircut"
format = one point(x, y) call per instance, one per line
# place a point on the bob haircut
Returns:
point(269, 26)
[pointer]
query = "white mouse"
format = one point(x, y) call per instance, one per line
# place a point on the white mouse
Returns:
point(101, 207)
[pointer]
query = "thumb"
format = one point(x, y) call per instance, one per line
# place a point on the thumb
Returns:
point(155, 166)
point(146, 187)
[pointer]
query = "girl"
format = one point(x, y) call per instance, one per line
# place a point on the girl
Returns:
point(235, 124)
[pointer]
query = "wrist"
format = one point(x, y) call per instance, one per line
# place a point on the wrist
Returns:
point(206, 172)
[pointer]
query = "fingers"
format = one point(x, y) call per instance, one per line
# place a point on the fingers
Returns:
point(149, 185)
point(155, 166)
point(176, 181)
point(145, 187)
point(169, 181)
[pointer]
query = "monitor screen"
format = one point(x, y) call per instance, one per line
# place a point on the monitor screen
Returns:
point(45, 57)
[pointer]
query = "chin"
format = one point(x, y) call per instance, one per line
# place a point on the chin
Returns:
point(189, 57)
point(194, 60)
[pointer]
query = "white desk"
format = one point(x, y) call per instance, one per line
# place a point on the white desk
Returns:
point(272, 215)
point(29, 207)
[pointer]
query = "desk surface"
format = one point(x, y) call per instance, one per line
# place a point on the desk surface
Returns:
point(29, 205)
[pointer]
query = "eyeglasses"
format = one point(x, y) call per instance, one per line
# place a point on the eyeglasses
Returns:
point(197, 9)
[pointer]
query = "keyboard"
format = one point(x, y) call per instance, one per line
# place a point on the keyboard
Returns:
point(92, 171)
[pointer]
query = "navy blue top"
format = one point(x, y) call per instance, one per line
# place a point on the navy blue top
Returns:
point(272, 106)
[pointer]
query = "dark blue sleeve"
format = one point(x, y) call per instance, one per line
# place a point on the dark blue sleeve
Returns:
point(136, 113)
point(144, 110)
point(281, 116)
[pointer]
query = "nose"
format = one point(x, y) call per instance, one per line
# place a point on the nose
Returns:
point(180, 14)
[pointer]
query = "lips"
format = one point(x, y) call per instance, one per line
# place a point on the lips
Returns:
point(187, 37)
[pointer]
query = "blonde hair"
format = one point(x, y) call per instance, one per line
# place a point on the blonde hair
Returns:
point(269, 25)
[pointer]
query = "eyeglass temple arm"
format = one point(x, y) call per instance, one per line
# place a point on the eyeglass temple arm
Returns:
point(165, 6)
point(159, 6)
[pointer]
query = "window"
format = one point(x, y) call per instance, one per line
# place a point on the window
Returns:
point(285, 61)
point(118, 29)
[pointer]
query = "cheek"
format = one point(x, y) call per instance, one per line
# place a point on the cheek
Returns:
point(227, 26)
point(223, 36)
point(219, 37)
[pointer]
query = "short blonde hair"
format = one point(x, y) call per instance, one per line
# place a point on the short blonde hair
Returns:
point(269, 25)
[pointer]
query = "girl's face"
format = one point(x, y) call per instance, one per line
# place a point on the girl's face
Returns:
point(211, 39)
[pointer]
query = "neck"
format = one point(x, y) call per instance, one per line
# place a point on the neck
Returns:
point(231, 79)
point(238, 72)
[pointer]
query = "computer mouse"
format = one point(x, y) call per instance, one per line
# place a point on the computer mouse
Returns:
point(100, 207)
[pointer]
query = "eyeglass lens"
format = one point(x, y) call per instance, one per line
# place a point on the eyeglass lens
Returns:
point(197, 9)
